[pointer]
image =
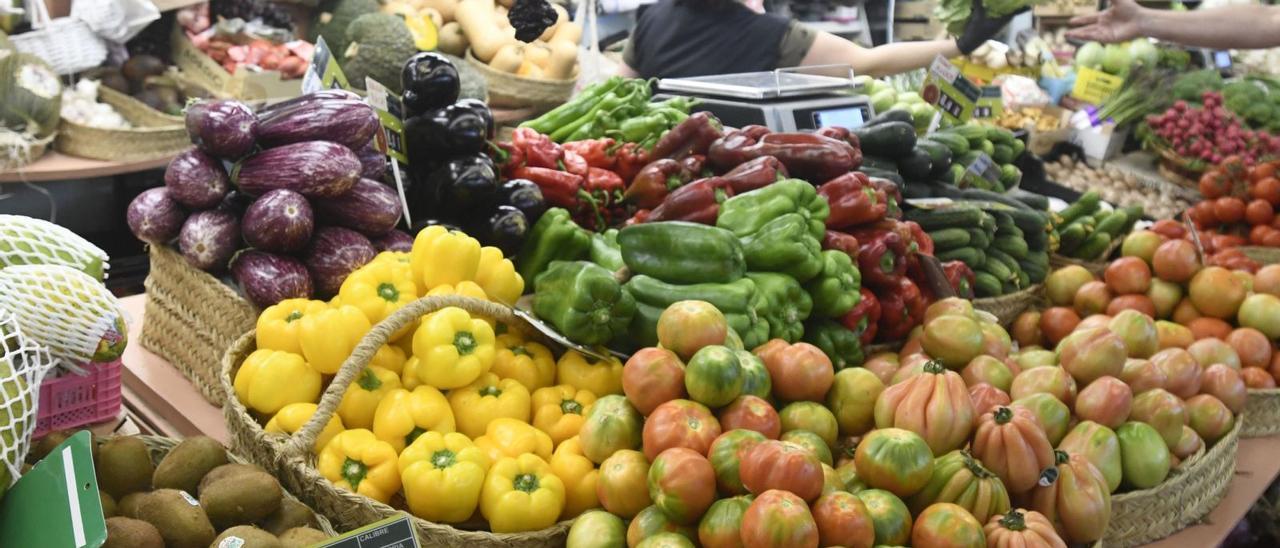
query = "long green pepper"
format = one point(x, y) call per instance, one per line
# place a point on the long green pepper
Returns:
point(636, 92)
point(575, 108)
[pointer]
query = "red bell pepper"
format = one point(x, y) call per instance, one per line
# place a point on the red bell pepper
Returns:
point(881, 257)
point(654, 182)
point(840, 241)
point(559, 188)
point(901, 309)
point(914, 300)
point(864, 318)
point(961, 278)
point(696, 165)
point(843, 134)
point(806, 155)
point(575, 164)
point(507, 157)
point(697, 202)
point(539, 150)
point(641, 216)
point(755, 131)
point(924, 243)
point(904, 232)
point(605, 185)
point(757, 173)
point(597, 152)
point(853, 201)
point(631, 159)
point(693, 135)
point(893, 206)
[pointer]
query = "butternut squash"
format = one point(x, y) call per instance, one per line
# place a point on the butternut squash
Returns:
point(452, 41)
point(508, 59)
point(500, 18)
point(434, 15)
point(562, 17)
point(445, 7)
point(569, 32)
point(539, 54)
point(476, 19)
point(529, 70)
point(564, 58)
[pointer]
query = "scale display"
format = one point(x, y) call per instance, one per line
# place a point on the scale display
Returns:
point(851, 117)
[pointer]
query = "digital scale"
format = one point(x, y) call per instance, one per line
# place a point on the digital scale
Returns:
point(782, 100)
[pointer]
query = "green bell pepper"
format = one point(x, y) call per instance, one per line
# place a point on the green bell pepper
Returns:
point(836, 341)
point(555, 237)
point(584, 301)
point(747, 213)
point(784, 305)
point(835, 291)
point(730, 298)
point(682, 252)
point(784, 245)
point(605, 250)
point(643, 331)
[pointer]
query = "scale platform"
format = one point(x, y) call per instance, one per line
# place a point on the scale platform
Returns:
point(790, 99)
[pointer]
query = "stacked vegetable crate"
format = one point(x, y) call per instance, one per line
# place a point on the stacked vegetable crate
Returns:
point(1087, 233)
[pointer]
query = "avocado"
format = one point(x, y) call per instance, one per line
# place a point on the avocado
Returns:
point(378, 44)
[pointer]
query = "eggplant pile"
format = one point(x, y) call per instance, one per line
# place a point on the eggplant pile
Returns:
point(290, 199)
point(453, 181)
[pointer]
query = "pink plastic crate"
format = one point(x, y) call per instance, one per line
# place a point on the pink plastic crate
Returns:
point(71, 400)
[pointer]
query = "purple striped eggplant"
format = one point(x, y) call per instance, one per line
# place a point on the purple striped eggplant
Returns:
point(154, 217)
point(315, 169)
point(396, 240)
point(370, 208)
point(209, 238)
point(267, 278)
point(334, 253)
point(223, 128)
point(273, 109)
point(348, 122)
point(280, 221)
point(373, 163)
point(196, 180)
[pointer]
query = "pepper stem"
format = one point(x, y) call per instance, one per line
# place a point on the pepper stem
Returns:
point(388, 292)
point(571, 406)
point(526, 482)
point(491, 390)
point(413, 435)
point(369, 381)
point(354, 472)
point(887, 262)
point(933, 367)
point(443, 458)
point(1003, 415)
point(519, 351)
point(465, 342)
point(294, 315)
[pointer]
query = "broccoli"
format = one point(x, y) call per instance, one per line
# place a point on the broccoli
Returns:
point(332, 19)
point(379, 44)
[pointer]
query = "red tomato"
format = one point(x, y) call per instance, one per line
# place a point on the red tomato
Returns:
point(1272, 239)
point(1229, 209)
point(800, 372)
point(1262, 171)
point(1214, 185)
point(1141, 303)
point(1259, 212)
point(1170, 229)
point(751, 413)
point(1257, 378)
point(1227, 241)
point(726, 458)
point(947, 525)
point(1203, 214)
point(1267, 189)
point(843, 520)
point(682, 484)
point(652, 377)
point(781, 465)
point(680, 423)
point(1258, 234)
point(778, 519)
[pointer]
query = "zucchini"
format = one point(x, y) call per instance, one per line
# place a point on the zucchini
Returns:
point(1003, 154)
point(960, 216)
point(1071, 238)
point(958, 144)
point(877, 162)
point(916, 165)
point(949, 238)
point(890, 139)
point(894, 115)
point(1086, 205)
point(978, 238)
point(939, 156)
point(1033, 200)
point(986, 285)
point(967, 255)
point(1113, 223)
point(1093, 247)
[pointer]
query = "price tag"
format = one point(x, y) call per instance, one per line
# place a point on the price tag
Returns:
point(928, 203)
point(394, 532)
point(1094, 86)
point(57, 502)
point(323, 72)
point(990, 103)
point(982, 168)
point(946, 88)
point(391, 139)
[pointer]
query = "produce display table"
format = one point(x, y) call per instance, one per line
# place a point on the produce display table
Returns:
point(55, 166)
point(1256, 467)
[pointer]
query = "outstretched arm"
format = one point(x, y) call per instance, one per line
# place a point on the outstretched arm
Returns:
point(829, 49)
point(1231, 27)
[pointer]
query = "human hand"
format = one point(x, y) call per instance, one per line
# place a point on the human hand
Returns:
point(1117, 23)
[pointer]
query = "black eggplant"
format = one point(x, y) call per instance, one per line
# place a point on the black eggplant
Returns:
point(446, 132)
point(524, 195)
point(467, 184)
point(481, 108)
point(430, 81)
point(419, 224)
point(504, 229)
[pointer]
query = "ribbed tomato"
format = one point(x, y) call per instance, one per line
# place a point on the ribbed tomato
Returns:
point(1022, 529)
point(779, 465)
point(894, 459)
point(1075, 498)
point(651, 377)
point(721, 526)
point(843, 520)
point(810, 442)
point(1014, 446)
point(934, 405)
point(961, 479)
point(682, 484)
point(1053, 415)
point(890, 515)
point(751, 413)
point(679, 423)
point(651, 521)
point(946, 525)
point(1098, 444)
point(986, 397)
point(726, 458)
point(778, 519)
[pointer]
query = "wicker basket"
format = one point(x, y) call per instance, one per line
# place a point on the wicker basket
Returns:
point(1261, 414)
point(509, 90)
point(67, 44)
point(1007, 307)
point(1189, 493)
point(1057, 261)
point(1262, 254)
point(153, 135)
point(191, 318)
point(293, 456)
point(158, 447)
point(33, 152)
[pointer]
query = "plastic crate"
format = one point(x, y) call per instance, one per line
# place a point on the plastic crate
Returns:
point(71, 401)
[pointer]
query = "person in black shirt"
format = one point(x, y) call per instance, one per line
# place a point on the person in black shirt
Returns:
point(683, 38)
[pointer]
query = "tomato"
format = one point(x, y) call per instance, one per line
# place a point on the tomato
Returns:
point(1086, 355)
point(1257, 378)
point(811, 416)
point(755, 377)
point(778, 519)
point(986, 397)
point(847, 473)
point(1092, 298)
point(986, 369)
point(853, 399)
point(809, 442)
point(1182, 371)
point(1144, 456)
point(891, 518)
point(1188, 444)
point(1163, 411)
point(1099, 445)
point(682, 484)
point(831, 481)
point(751, 413)
point(680, 423)
point(1170, 229)
point(1054, 381)
point(1175, 261)
point(1229, 209)
point(1267, 280)
point(651, 377)
point(612, 424)
point(885, 364)
point(687, 326)
point(1128, 275)
point(896, 460)
point(726, 458)
point(1214, 184)
point(779, 465)
point(623, 484)
point(799, 371)
point(1252, 347)
point(1026, 329)
point(946, 525)
point(666, 540)
point(1259, 213)
point(843, 520)
point(1053, 415)
point(1078, 500)
point(721, 526)
point(934, 404)
point(960, 478)
point(1209, 417)
point(1022, 529)
point(713, 376)
point(1058, 322)
point(1203, 214)
point(651, 521)
point(1216, 292)
point(1262, 171)
point(1106, 401)
point(596, 528)
point(1267, 189)
point(1208, 328)
point(1224, 383)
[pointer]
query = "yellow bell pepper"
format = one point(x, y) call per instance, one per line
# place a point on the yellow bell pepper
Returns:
point(389, 357)
point(526, 361)
point(277, 327)
point(455, 348)
point(357, 461)
point(268, 380)
point(402, 416)
point(329, 336)
point(521, 494)
point(506, 437)
point(441, 256)
point(463, 289)
point(363, 395)
point(442, 475)
point(393, 257)
point(497, 275)
point(291, 417)
point(560, 410)
point(379, 290)
point(409, 375)
point(479, 403)
point(598, 377)
point(579, 475)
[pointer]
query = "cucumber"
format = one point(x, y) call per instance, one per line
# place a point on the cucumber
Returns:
point(1113, 223)
point(966, 255)
point(957, 173)
point(960, 216)
point(916, 165)
point(1037, 240)
point(1093, 247)
point(1018, 148)
point(1010, 175)
point(1071, 238)
point(877, 162)
point(958, 145)
point(1003, 154)
point(1133, 214)
point(1024, 279)
point(1013, 245)
point(970, 132)
point(1031, 199)
point(949, 238)
point(986, 285)
point(939, 156)
point(986, 147)
point(988, 223)
point(1086, 205)
point(978, 238)
point(1005, 259)
point(1000, 135)
point(1035, 272)
point(986, 195)
point(890, 139)
point(895, 115)
point(919, 189)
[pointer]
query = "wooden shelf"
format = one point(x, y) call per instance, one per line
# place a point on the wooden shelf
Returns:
point(55, 166)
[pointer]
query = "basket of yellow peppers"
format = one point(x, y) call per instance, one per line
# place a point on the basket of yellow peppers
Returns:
point(417, 389)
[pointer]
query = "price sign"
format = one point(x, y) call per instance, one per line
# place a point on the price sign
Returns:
point(57, 502)
point(1094, 86)
point(391, 139)
point(394, 532)
point(323, 72)
point(990, 103)
point(946, 88)
point(982, 170)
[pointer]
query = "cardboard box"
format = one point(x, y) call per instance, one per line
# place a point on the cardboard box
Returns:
point(926, 30)
point(247, 85)
point(1041, 142)
point(1100, 143)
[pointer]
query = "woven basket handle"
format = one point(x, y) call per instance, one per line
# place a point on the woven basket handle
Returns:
point(302, 442)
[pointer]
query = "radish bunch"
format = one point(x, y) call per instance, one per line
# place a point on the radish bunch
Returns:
point(1210, 132)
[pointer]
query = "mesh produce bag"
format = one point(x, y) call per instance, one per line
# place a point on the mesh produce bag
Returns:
point(23, 364)
point(24, 240)
point(65, 310)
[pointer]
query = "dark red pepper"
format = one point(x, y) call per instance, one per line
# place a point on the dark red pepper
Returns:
point(843, 134)
point(693, 135)
point(654, 182)
point(893, 209)
point(507, 157)
point(641, 216)
point(840, 241)
point(605, 184)
point(853, 201)
point(924, 243)
point(696, 202)
point(755, 132)
point(807, 156)
point(757, 173)
point(559, 188)
point(881, 257)
point(896, 307)
point(575, 164)
point(631, 159)
point(864, 318)
point(597, 152)
point(539, 150)
point(961, 278)
point(696, 165)
point(909, 246)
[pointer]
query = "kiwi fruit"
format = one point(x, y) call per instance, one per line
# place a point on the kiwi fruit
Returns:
point(225, 471)
point(47, 444)
point(302, 537)
point(188, 463)
point(132, 533)
point(180, 519)
point(290, 514)
point(124, 466)
point(108, 504)
point(129, 505)
point(248, 537)
point(243, 498)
